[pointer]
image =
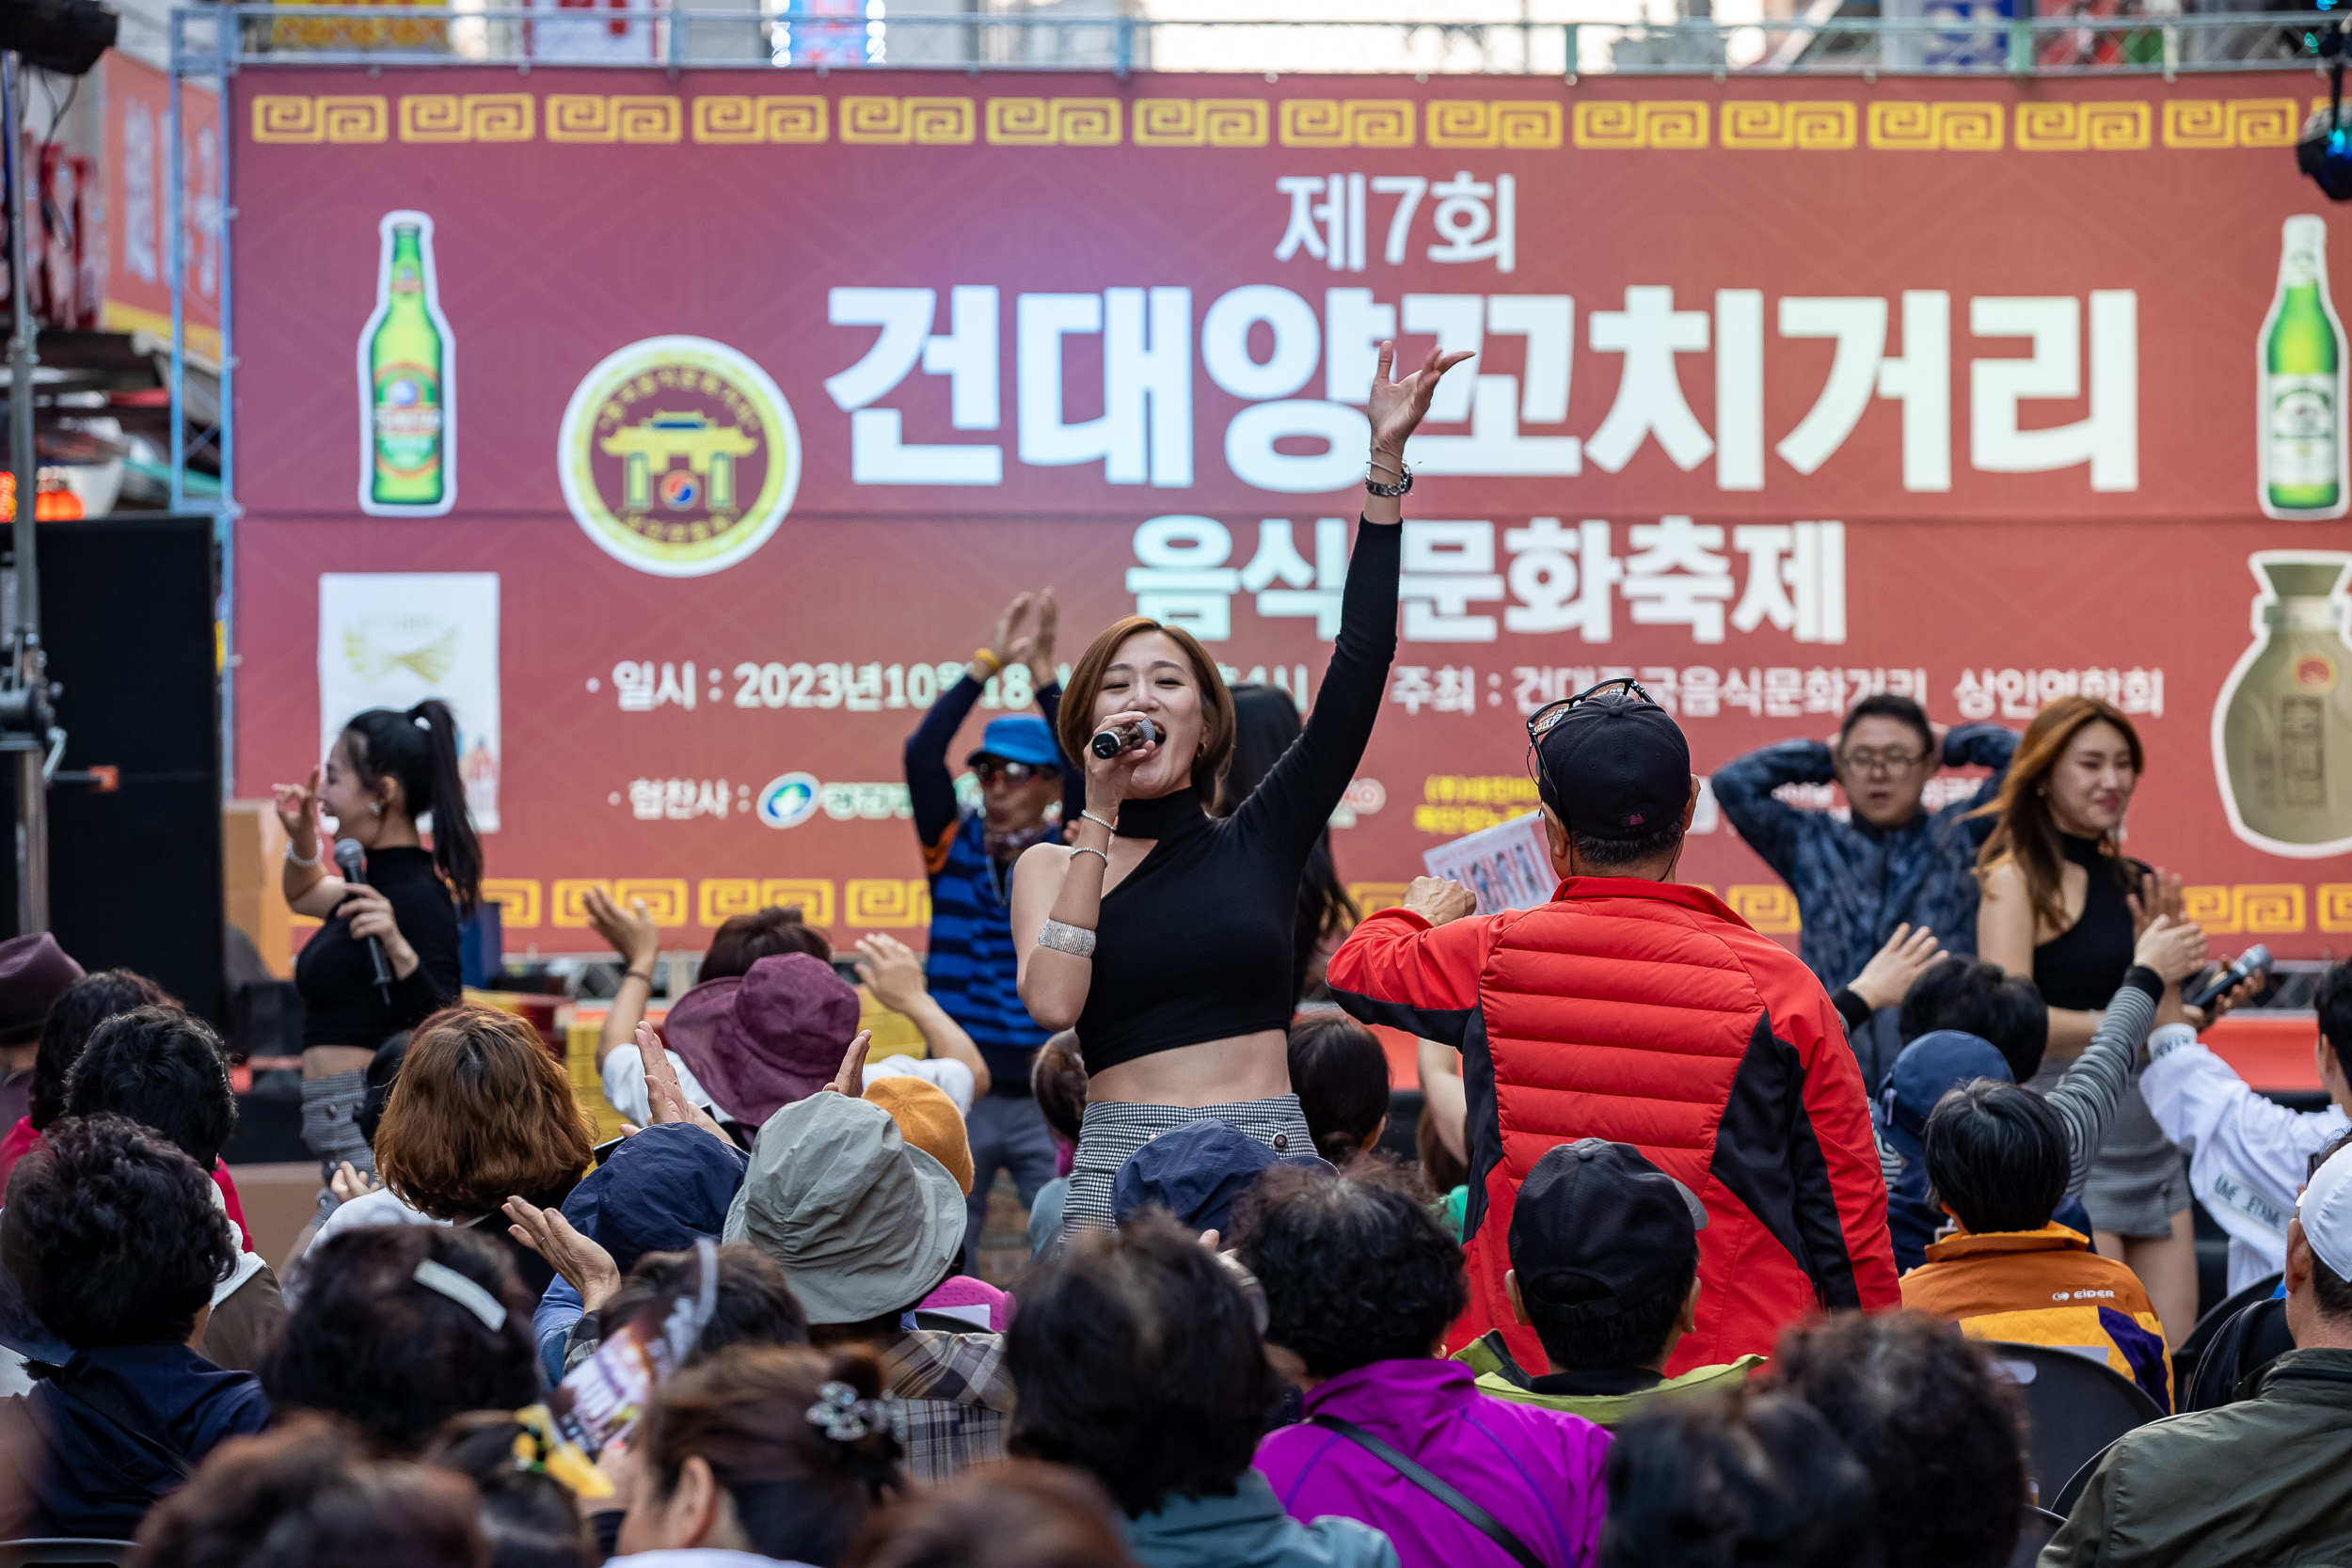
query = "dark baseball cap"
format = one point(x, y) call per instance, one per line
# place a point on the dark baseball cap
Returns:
point(1616, 764)
point(1199, 1171)
point(1596, 1228)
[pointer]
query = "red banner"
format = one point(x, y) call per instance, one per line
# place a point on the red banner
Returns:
point(1785, 392)
point(133, 230)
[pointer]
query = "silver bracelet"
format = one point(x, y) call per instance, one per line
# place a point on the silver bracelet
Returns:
point(294, 859)
point(1082, 849)
point(1076, 940)
point(1089, 816)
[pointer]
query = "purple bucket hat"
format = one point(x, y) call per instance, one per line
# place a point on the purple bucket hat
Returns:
point(760, 1040)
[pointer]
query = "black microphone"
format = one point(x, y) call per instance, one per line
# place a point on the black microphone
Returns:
point(2254, 961)
point(1124, 738)
point(351, 859)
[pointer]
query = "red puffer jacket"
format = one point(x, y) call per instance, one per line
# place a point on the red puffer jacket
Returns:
point(1648, 1013)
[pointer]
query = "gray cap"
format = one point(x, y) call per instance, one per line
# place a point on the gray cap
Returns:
point(861, 1222)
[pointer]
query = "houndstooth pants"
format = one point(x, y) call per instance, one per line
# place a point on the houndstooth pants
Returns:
point(1114, 1130)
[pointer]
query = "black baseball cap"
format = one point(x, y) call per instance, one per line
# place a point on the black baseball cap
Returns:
point(1614, 764)
point(1596, 1228)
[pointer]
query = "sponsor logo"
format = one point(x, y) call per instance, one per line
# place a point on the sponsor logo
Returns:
point(789, 802)
point(678, 457)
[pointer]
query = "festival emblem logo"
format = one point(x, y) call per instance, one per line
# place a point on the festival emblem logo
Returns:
point(678, 457)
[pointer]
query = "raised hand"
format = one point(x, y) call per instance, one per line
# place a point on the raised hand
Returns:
point(665, 1101)
point(1887, 979)
point(298, 813)
point(635, 937)
point(850, 1080)
point(1001, 642)
point(1397, 406)
point(2160, 893)
point(1041, 650)
point(2174, 948)
point(891, 970)
point(589, 1268)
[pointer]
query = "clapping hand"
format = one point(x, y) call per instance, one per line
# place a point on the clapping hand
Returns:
point(1887, 979)
point(633, 935)
point(2160, 893)
point(665, 1101)
point(2174, 948)
point(588, 1267)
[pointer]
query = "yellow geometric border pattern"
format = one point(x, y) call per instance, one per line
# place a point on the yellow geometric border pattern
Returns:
point(895, 903)
point(1511, 125)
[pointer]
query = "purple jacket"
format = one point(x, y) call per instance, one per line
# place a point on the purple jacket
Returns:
point(1537, 1471)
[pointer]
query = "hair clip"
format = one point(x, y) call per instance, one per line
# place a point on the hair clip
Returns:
point(841, 1415)
point(447, 1281)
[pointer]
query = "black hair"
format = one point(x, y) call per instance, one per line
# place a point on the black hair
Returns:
point(382, 1073)
point(86, 1004)
point(1605, 854)
point(1996, 1156)
point(1354, 1269)
point(2334, 1001)
point(1887, 705)
point(1931, 1418)
point(113, 1234)
point(1341, 1076)
point(528, 1516)
point(1755, 1482)
point(742, 940)
point(1057, 1081)
point(161, 1068)
point(1979, 998)
point(367, 1340)
point(1266, 722)
point(1138, 1361)
point(418, 747)
point(754, 1306)
point(1632, 1337)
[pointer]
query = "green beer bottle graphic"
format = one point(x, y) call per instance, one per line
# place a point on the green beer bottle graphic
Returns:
point(2302, 383)
point(407, 432)
point(2282, 724)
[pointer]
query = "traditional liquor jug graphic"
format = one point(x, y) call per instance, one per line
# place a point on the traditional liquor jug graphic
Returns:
point(2283, 725)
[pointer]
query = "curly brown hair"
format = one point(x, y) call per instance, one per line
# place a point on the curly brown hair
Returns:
point(479, 1113)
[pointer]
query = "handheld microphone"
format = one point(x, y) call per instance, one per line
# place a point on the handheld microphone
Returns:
point(350, 860)
point(2254, 961)
point(1124, 738)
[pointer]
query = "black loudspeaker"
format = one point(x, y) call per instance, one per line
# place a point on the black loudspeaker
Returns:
point(127, 610)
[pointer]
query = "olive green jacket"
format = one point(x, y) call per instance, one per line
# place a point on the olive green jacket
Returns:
point(2260, 1483)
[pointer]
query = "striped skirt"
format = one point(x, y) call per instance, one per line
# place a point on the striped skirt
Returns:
point(1114, 1130)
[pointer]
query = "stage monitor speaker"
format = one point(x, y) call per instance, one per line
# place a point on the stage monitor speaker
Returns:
point(127, 607)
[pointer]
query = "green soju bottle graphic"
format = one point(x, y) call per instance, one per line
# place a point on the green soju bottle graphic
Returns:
point(409, 466)
point(2302, 383)
point(2282, 723)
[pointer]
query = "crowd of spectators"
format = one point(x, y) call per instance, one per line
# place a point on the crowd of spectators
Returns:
point(1671, 1280)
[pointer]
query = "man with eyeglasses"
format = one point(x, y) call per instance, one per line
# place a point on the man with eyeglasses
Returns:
point(1637, 1009)
point(972, 967)
point(1889, 862)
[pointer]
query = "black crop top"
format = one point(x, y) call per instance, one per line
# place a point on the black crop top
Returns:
point(2080, 967)
point(340, 1004)
point(1196, 943)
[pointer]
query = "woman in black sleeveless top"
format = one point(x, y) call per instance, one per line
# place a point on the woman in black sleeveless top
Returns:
point(1162, 935)
point(2063, 904)
point(385, 771)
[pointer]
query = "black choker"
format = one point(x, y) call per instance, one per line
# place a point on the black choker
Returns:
point(1162, 818)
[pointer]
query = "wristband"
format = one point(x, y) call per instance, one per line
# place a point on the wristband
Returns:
point(988, 657)
point(2169, 1038)
point(1076, 940)
point(293, 859)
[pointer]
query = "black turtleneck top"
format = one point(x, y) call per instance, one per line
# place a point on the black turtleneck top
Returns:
point(340, 1004)
point(1195, 945)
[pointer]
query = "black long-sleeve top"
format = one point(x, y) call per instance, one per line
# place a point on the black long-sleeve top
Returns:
point(340, 1004)
point(1195, 945)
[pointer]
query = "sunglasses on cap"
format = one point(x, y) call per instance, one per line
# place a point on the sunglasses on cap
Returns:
point(1542, 721)
point(991, 770)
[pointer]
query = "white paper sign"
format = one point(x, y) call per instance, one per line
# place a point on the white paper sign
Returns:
point(1508, 865)
point(392, 639)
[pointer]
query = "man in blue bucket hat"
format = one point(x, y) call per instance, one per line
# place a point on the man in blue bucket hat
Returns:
point(973, 966)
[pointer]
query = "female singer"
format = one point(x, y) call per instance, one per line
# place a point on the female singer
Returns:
point(385, 771)
point(2063, 905)
point(1163, 936)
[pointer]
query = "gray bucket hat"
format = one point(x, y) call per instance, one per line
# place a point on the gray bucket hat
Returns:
point(861, 1222)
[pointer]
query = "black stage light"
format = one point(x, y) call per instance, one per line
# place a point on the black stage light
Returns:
point(63, 36)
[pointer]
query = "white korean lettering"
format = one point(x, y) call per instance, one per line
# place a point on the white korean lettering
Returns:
point(1459, 321)
point(1796, 579)
point(1739, 389)
point(1407, 189)
point(1554, 589)
point(1147, 349)
point(1182, 579)
point(1495, 447)
point(1446, 566)
point(1859, 327)
point(1476, 221)
point(2107, 438)
point(1225, 341)
point(1675, 578)
point(1649, 332)
point(1353, 328)
point(966, 354)
point(1313, 590)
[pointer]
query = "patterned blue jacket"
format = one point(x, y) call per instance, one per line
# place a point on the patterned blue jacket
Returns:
point(1855, 883)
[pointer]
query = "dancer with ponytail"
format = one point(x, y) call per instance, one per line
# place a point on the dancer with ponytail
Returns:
point(385, 771)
